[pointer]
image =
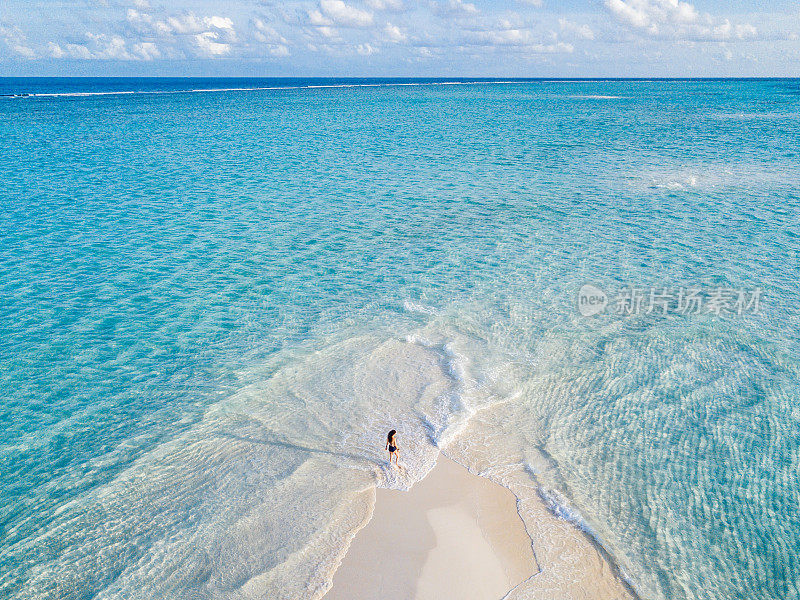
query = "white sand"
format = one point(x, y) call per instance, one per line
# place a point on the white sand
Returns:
point(454, 535)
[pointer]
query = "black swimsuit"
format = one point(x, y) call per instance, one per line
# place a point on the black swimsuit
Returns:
point(392, 448)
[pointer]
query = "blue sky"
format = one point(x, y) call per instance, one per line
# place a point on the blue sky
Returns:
point(526, 38)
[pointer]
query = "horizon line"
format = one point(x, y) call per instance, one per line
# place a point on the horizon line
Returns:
point(417, 77)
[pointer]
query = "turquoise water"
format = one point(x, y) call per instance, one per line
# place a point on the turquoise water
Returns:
point(215, 304)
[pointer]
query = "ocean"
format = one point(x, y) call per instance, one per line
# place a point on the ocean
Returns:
point(218, 295)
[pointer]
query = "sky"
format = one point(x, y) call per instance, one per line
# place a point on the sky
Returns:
point(424, 38)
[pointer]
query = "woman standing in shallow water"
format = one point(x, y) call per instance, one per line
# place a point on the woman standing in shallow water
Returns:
point(391, 446)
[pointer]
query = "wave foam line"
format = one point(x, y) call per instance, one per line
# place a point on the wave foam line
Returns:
point(259, 88)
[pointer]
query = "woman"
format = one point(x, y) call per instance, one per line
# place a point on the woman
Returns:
point(391, 446)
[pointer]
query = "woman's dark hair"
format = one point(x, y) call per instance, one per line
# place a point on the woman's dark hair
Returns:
point(391, 434)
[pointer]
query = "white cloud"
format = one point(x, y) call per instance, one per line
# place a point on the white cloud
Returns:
point(279, 51)
point(208, 44)
point(507, 37)
point(111, 47)
point(181, 35)
point(266, 33)
point(108, 47)
point(394, 33)
point(392, 5)
point(146, 51)
point(100, 46)
point(144, 22)
point(328, 32)
point(366, 49)
point(509, 33)
point(134, 16)
point(23, 51)
point(317, 19)
point(16, 41)
point(456, 8)
point(583, 32)
point(652, 13)
point(629, 12)
point(726, 30)
point(344, 15)
point(189, 23)
point(186, 24)
point(455, 33)
point(275, 43)
point(218, 22)
point(55, 51)
point(675, 19)
point(79, 51)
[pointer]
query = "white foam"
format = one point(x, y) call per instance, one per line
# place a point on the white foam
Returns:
point(416, 307)
point(264, 88)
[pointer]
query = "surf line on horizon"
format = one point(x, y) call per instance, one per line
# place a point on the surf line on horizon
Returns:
point(262, 88)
